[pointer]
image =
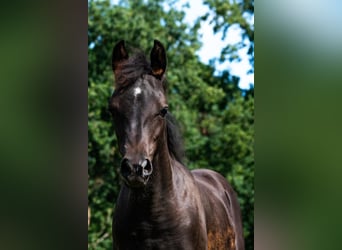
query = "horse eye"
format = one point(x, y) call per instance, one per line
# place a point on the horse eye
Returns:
point(163, 112)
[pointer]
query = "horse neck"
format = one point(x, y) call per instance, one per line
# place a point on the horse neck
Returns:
point(160, 195)
point(160, 184)
point(162, 180)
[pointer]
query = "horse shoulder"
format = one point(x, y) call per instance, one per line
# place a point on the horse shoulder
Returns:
point(212, 182)
point(222, 211)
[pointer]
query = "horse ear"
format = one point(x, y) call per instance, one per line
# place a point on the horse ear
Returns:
point(158, 59)
point(119, 54)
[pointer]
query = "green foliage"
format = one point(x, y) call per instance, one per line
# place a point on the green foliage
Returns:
point(227, 14)
point(215, 116)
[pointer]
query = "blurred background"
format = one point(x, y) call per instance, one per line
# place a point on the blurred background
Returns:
point(47, 95)
point(210, 50)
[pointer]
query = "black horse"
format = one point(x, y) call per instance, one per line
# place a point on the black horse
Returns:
point(163, 205)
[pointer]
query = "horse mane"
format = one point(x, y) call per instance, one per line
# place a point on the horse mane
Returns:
point(174, 139)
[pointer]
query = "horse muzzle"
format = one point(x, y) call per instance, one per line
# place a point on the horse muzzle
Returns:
point(136, 175)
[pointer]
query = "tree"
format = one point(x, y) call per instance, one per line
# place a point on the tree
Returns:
point(228, 14)
point(215, 116)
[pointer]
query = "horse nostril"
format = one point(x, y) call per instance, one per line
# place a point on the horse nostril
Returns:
point(144, 163)
point(126, 168)
point(147, 167)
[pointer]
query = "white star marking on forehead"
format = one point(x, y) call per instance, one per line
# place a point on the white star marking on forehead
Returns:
point(137, 91)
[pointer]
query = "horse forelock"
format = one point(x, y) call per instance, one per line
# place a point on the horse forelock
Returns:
point(132, 69)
